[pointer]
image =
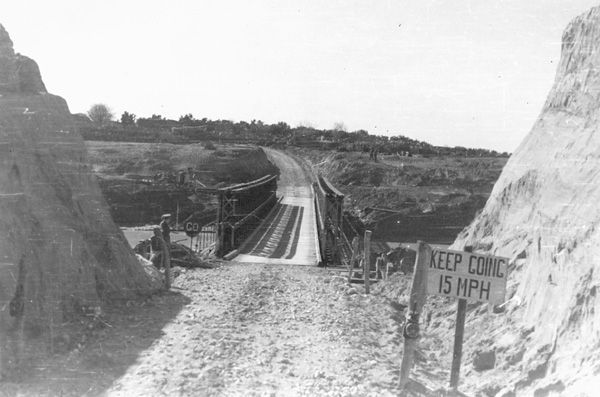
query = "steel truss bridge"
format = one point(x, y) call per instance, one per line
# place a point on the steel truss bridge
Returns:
point(253, 210)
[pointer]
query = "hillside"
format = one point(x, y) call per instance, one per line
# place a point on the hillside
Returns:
point(58, 242)
point(543, 215)
point(140, 181)
point(402, 198)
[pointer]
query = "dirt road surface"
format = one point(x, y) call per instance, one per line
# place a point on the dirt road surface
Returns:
point(235, 330)
point(269, 330)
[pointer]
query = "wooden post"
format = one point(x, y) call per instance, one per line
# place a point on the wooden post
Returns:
point(354, 256)
point(233, 238)
point(166, 262)
point(418, 295)
point(461, 313)
point(367, 262)
point(220, 241)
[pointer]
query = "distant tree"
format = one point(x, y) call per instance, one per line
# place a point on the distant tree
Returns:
point(240, 128)
point(187, 119)
point(339, 126)
point(305, 125)
point(279, 128)
point(128, 118)
point(100, 114)
point(361, 134)
point(157, 117)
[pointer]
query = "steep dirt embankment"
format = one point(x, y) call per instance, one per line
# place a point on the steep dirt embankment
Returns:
point(61, 252)
point(544, 209)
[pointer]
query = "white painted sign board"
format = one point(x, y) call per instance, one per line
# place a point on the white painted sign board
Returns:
point(467, 275)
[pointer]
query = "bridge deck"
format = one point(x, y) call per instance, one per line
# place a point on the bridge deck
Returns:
point(288, 235)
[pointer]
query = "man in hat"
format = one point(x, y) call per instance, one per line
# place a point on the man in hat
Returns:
point(165, 228)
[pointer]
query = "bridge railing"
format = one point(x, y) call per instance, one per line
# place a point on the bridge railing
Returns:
point(329, 202)
point(207, 238)
point(241, 209)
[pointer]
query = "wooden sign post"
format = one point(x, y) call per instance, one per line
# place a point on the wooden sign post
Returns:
point(418, 295)
point(459, 333)
point(466, 276)
point(462, 275)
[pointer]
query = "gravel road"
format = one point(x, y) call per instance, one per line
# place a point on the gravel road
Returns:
point(270, 330)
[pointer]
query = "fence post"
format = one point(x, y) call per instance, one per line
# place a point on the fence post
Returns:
point(354, 256)
point(220, 228)
point(367, 262)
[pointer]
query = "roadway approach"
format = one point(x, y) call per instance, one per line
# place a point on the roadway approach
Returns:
point(288, 235)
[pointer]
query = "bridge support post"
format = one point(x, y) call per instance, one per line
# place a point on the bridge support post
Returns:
point(353, 259)
point(330, 206)
point(367, 262)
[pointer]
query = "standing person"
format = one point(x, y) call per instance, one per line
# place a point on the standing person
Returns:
point(165, 228)
point(156, 247)
point(160, 247)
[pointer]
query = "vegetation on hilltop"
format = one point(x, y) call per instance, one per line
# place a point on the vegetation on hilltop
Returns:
point(191, 130)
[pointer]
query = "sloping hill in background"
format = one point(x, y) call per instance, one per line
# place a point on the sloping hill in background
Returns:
point(544, 214)
point(405, 199)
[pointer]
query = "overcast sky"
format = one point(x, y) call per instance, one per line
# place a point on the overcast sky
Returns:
point(453, 72)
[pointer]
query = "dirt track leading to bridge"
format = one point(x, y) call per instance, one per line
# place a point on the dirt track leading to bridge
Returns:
point(236, 330)
point(269, 330)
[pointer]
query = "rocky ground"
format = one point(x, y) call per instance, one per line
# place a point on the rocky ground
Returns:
point(235, 330)
point(402, 198)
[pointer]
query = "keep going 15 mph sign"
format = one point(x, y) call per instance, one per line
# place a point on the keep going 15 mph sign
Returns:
point(467, 275)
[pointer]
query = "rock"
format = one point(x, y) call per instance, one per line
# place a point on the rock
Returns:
point(515, 358)
point(555, 388)
point(29, 77)
point(484, 361)
point(176, 271)
point(18, 73)
point(156, 280)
